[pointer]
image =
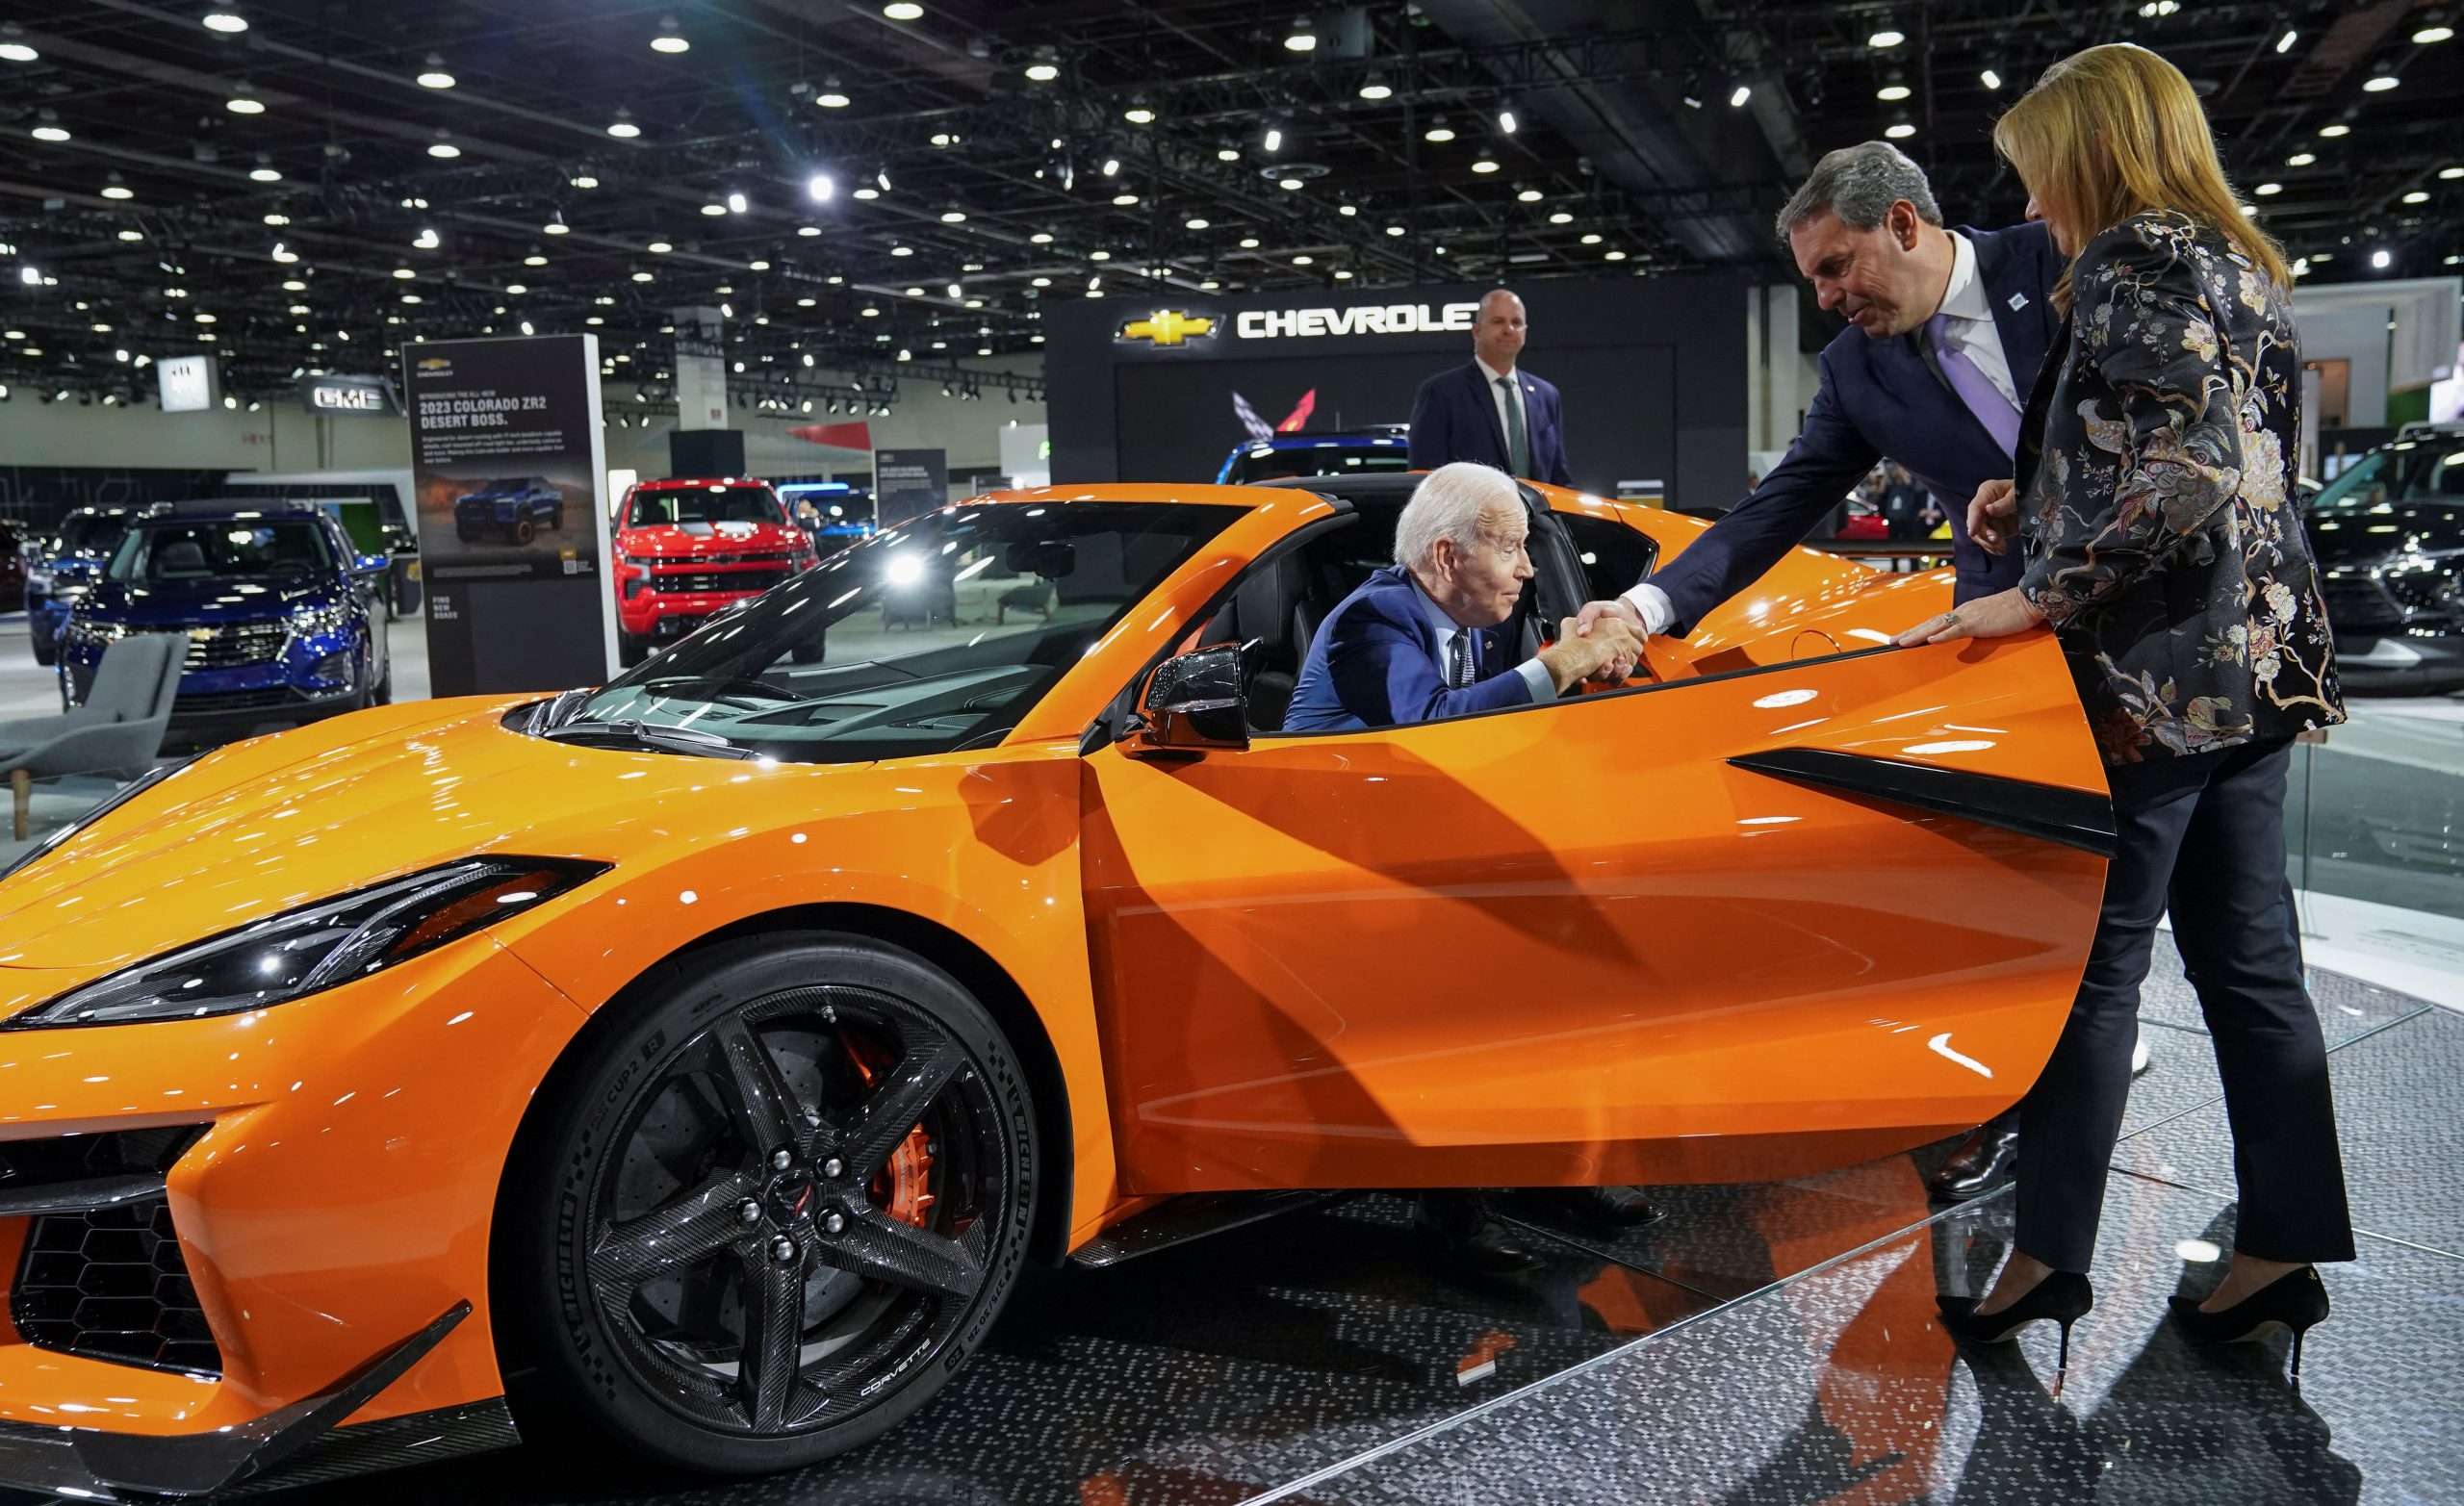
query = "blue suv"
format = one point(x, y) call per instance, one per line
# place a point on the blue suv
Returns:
point(272, 601)
point(516, 507)
point(58, 570)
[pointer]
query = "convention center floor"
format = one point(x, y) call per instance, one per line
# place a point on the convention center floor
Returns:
point(1764, 1344)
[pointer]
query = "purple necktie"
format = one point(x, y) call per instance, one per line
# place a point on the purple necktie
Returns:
point(1974, 387)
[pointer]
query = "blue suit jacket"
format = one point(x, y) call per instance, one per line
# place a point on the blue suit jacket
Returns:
point(1374, 663)
point(1883, 398)
point(1455, 416)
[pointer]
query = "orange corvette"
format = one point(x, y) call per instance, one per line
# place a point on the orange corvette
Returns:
point(695, 1062)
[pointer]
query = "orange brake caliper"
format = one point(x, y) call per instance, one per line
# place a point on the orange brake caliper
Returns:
point(903, 1188)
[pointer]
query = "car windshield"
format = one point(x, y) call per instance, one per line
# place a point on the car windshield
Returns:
point(2426, 471)
point(935, 635)
point(656, 505)
point(222, 546)
point(1268, 465)
point(80, 532)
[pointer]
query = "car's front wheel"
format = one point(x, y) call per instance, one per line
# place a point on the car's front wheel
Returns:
point(523, 530)
point(768, 1207)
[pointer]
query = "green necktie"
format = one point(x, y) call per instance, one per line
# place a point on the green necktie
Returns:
point(1518, 443)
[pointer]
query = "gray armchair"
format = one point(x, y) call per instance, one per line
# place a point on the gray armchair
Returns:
point(117, 731)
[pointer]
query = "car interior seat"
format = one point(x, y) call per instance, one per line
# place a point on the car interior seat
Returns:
point(180, 559)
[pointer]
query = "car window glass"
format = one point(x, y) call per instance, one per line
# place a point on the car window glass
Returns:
point(2427, 471)
point(210, 548)
point(1614, 556)
point(677, 504)
point(1266, 464)
point(937, 635)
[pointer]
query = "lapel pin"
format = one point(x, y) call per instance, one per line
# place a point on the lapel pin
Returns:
point(2018, 301)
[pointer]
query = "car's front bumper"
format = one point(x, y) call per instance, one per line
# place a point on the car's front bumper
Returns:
point(316, 677)
point(2406, 663)
point(335, 1208)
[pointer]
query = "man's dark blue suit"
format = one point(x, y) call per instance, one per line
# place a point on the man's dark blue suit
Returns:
point(1883, 398)
point(1374, 663)
point(1455, 416)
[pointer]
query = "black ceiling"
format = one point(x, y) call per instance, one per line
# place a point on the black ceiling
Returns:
point(155, 228)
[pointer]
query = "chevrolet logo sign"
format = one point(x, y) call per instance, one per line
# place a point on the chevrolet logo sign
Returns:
point(436, 364)
point(1169, 328)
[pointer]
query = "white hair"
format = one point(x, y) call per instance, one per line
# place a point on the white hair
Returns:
point(1447, 504)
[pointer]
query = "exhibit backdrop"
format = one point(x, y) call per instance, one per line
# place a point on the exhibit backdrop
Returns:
point(1651, 372)
point(908, 482)
point(509, 466)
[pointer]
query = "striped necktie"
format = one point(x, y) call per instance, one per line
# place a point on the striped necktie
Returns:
point(1459, 672)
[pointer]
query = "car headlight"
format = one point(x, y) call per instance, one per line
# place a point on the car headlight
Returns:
point(90, 633)
point(309, 621)
point(126, 792)
point(290, 956)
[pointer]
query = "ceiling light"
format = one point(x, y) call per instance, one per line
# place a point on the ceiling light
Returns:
point(1375, 87)
point(902, 250)
point(736, 204)
point(1302, 38)
point(1043, 72)
point(868, 191)
point(1484, 164)
point(2301, 158)
point(405, 273)
point(641, 276)
point(832, 96)
point(2417, 196)
point(1123, 200)
point(2379, 83)
point(278, 219)
point(244, 103)
point(426, 240)
point(2335, 129)
point(516, 289)
point(1274, 141)
point(435, 76)
point(2265, 189)
point(903, 10)
point(1899, 130)
point(115, 189)
point(132, 235)
point(1507, 121)
point(1138, 115)
point(264, 175)
point(1302, 261)
point(954, 216)
point(231, 21)
point(1739, 95)
point(1531, 196)
point(1885, 38)
point(1989, 79)
point(623, 126)
point(47, 131)
point(444, 149)
point(807, 231)
point(1289, 185)
point(2381, 260)
point(714, 209)
point(1041, 237)
point(1438, 131)
point(1227, 154)
point(1197, 222)
point(1892, 94)
point(2284, 43)
point(534, 259)
point(555, 225)
point(294, 285)
point(659, 248)
point(1591, 238)
point(18, 52)
point(2433, 34)
point(2450, 174)
point(1100, 255)
point(821, 187)
point(669, 39)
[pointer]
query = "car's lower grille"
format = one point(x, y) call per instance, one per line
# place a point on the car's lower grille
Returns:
point(109, 1282)
point(230, 645)
point(2359, 604)
point(717, 581)
point(234, 700)
point(756, 557)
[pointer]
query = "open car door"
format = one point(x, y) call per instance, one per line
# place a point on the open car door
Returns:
point(1735, 927)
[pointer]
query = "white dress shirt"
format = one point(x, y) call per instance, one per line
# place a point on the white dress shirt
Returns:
point(1972, 332)
point(1544, 685)
point(1498, 396)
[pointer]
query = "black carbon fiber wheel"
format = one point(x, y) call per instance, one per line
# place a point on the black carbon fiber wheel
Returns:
point(770, 1210)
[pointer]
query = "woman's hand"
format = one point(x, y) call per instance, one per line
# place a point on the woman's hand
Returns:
point(1993, 516)
point(1995, 615)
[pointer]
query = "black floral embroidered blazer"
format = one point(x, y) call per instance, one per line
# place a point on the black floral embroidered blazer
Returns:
point(2164, 541)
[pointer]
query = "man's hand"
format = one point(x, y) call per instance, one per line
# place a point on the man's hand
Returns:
point(1993, 516)
point(1995, 615)
point(1607, 653)
point(1619, 610)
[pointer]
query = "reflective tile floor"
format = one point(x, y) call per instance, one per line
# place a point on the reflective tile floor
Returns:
point(1763, 1344)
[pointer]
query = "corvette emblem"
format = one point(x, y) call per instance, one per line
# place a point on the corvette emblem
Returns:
point(1169, 328)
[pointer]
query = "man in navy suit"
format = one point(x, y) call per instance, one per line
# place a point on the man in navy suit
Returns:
point(1951, 328)
point(1487, 410)
point(1420, 639)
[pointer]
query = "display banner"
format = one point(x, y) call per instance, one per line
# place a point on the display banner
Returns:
point(910, 481)
point(187, 384)
point(509, 463)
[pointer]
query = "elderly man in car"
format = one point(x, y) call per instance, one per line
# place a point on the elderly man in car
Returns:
point(1423, 639)
point(1420, 638)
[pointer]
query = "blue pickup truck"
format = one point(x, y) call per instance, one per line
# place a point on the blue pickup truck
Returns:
point(516, 507)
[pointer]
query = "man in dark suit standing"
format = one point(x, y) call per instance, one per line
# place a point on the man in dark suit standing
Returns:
point(1487, 410)
point(1951, 326)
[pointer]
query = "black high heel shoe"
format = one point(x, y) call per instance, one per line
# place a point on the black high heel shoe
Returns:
point(2296, 1301)
point(2063, 1296)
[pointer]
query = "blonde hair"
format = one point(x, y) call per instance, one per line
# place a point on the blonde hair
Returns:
point(2117, 131)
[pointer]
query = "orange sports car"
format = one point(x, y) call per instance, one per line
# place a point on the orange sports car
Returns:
point(694, 1061)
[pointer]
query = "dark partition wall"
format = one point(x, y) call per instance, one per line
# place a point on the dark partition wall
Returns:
point(1653, 371)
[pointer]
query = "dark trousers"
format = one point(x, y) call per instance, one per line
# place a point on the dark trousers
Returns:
point(2208, 828)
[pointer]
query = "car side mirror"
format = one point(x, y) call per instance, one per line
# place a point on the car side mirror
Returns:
point(372, 565)
point(1195, 702)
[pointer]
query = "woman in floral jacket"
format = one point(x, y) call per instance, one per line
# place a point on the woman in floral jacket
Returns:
point(2166, 552)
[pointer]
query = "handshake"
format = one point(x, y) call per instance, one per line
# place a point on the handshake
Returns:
point(1600, 646)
